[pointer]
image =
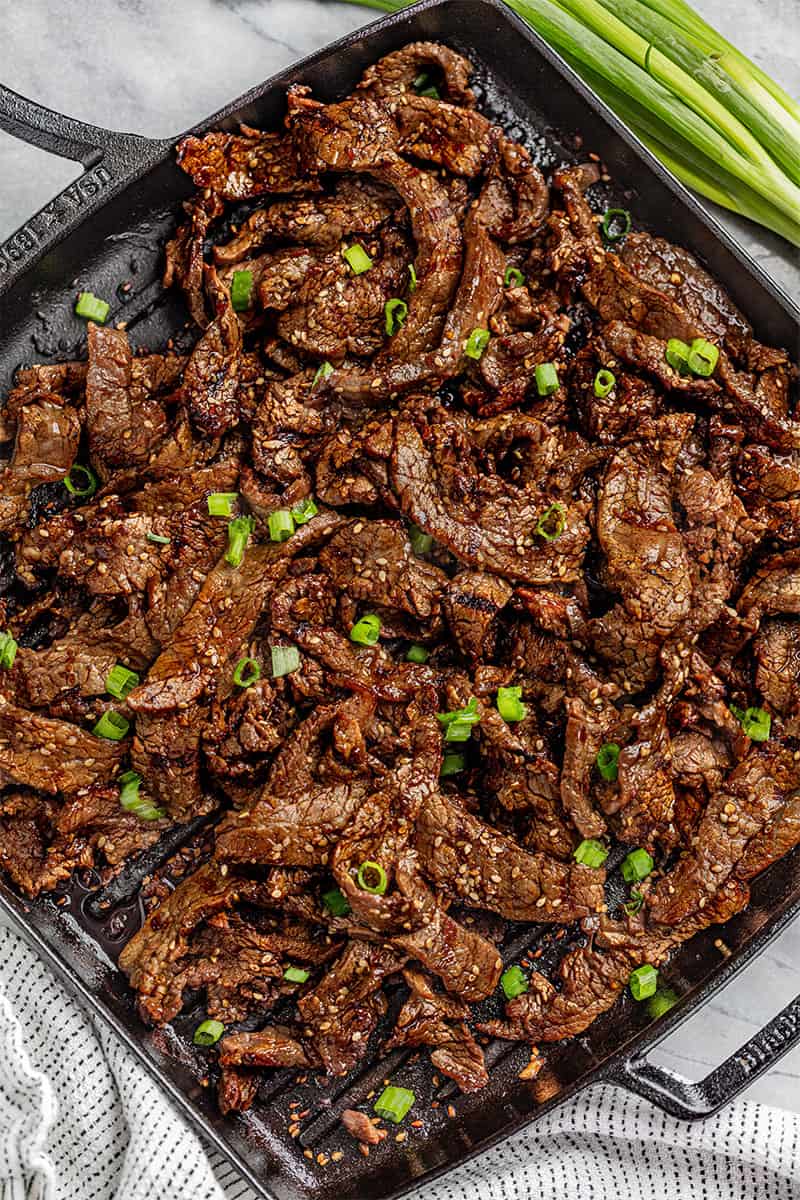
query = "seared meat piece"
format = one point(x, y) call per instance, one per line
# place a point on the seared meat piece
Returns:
point(237, 1090)
point(395, 73)
point(586, 731)
point(472, 604)
point(483, 520)
point(373, 561)
point(500, 875)
point(51, 756)
point(250, 163)
point(431, 1019)
point(675, 272)
point(275, 1046)
point(646, 795)
point(123, 419)
point(44, 450)
point(356, 206)
point(150, 956)
point(751, 795)
point(343, 1009)
point(777, 651)
point(360, 1126)
point(60, 383)
point(184, 253)
point(774, 588)
point(210, 381)
point(646, 558)
point(316, 784)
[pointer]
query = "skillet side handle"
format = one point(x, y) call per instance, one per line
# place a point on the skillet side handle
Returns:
point(693, 1101)
point(110, 160)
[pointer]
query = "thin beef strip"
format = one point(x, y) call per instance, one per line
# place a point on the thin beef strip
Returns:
point(45, 448)
point(431, 1019)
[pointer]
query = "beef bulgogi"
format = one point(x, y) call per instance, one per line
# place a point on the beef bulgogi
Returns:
point(462, 549)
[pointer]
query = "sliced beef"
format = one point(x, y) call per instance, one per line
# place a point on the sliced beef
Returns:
point(250, 163)
point(124, 421)
point(395, 73)
point(45, 448)
point(52, 756)
point(472, 604)
point(210, 381)
point(485, 521)
point(469, 859)
point(777, 651)
point(431, 1019)
point(355, 206)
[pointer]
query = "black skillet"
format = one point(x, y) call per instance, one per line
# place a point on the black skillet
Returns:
point(105, 233)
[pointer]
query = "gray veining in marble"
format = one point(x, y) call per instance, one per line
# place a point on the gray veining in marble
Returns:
point(156, 68)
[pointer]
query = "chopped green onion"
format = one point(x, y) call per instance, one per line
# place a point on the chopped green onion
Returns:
point(336, 902)
point(112, 725)
point(755, 722)
point(604, 381)
point(120, 682)
point(285, 659)
point(477, 342)
point(393, 1103)
point(132, 802)
point(208, 1033)
point(643, 982)
point(239, 530)
point(241, 290)
point(546, 377)
point(80, 481)
point(424, 86)
point(677, 355)
point(357, 258)
point(324, 371)
point(513, 277)
point(616, 224)
point(636, 866)
point(661, 1002)
point(634, 905)
point(514, 982)
point(304, 511)
point(129, 790)
point(412, 278)
point(246, 672)
point(607, 761)
point(509, 704)
point(92, 308)
point(417, 654)
point(158, 538)
point(421, 542)
point(220, 504)
point(452, 764)
point(296, 975)
point(590, 853)
point(703, 357)
point(371, 878)
point(552, 522)
point(366, 631)
point(458, 724)
point(395, 313)
point(8, 650)
point(281, 525)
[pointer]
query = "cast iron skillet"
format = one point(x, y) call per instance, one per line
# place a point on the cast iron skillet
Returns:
point(105, 233)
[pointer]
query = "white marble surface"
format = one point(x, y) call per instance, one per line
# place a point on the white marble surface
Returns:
point(156, 68)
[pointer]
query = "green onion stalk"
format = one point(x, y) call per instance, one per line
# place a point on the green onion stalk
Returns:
point(713, 118)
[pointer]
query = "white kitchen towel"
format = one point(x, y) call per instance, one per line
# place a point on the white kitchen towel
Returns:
point(81, 1120)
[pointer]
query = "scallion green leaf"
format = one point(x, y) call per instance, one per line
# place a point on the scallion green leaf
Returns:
point(509, 704)
point(417, 654)
point(371, 878)
point(92, 308)
point(607, 761)
point(208, 1033)
point(8, 650)
point(241, 290)
point(546, 377)
point(616, 224)
point(112, 726)
point(604, 381)
point(514, 982)
point(590, 853)
point(336, 902)
point(239, 530)
point(552, 522)
point(285, 660)
point(477, 342)
point(304, 511)
point(246, 672)
point(366, 631)
point(637, 865)
point(513, 277)
point(81, 481)
point(281, 525)
point(394, 1103)
point(395, 313)
point(296, 975)
point(643, 982)
point(221, 504)
point(120, 682)
point(357, 258)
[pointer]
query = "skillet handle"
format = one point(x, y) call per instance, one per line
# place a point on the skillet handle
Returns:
point(682, 1097)
point(110, 160)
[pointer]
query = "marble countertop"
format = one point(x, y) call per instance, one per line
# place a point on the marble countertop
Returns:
point(156, 68)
